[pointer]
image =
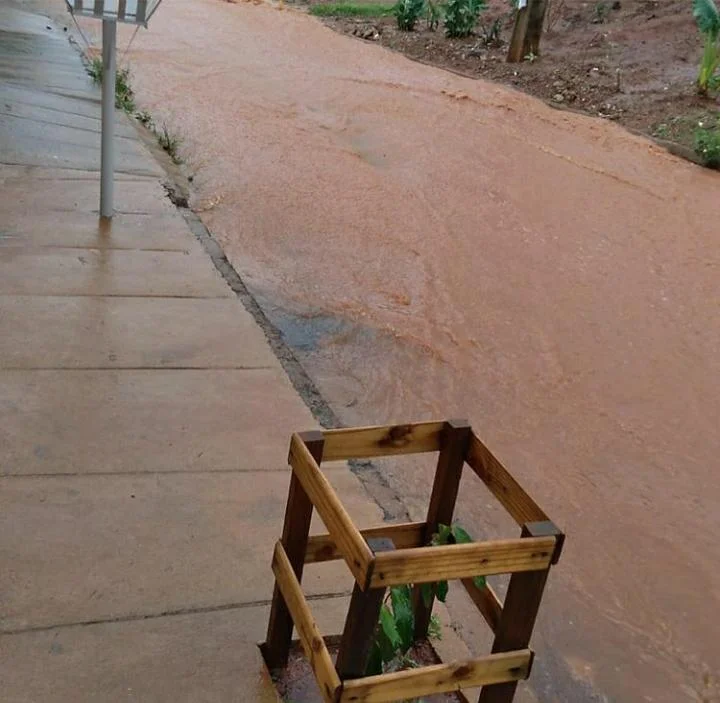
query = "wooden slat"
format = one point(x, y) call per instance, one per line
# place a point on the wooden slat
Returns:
point(342, 530)
point(520, 610)
point(310, 637)
point(122, 8)
point(503, 486)
point(440, 678)
point(365, 442)
point(455, 439)
point(98, 7)
point(487, 602)
point(458, 561)
point(296, 527)
point(361, 622)
point(406, 534)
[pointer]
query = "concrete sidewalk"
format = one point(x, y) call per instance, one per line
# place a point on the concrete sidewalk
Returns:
point(144, 420)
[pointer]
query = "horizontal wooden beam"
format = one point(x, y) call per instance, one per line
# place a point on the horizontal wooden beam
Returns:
point(440, 678)
point(406, 534)
point(310, 637)
point(366, 442)
point(502, 485)
point(487, 602)
point(458, 561)
point(343, 532)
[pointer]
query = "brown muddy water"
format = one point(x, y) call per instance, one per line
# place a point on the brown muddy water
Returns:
point(440, 247)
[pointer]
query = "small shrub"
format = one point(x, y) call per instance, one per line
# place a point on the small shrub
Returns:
point(461, 17)
point(707, 144)
point(407, 13)
point(124, 96)
point(434, 13)
point(707, 18)
point(170, 143)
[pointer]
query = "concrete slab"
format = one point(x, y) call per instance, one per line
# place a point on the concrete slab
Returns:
point(109, 272)
point(166, 232)
point(53, 116)
point(198, 658)
point(141, 195)
point(86, 332)
point(54, 422)
point(194, 658)
point(32, 96)
point(89, 548)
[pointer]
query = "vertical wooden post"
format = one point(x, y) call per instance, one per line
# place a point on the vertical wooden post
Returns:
point(527, 32)
point(455, 443)
point(296, 528)
point(520, 611)
point(360, 624)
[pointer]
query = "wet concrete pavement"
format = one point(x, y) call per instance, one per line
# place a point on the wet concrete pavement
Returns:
point(144, 421)
point(453, 248)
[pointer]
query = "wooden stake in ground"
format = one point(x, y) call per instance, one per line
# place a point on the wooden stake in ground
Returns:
point(528, 28)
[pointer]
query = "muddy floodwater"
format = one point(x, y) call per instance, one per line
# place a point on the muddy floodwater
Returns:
point(438, 247)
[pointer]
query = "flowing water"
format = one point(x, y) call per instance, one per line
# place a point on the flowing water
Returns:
point(439, 247)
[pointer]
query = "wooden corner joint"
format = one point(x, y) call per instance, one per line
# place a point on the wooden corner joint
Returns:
point(308, 438)
point(546, 528)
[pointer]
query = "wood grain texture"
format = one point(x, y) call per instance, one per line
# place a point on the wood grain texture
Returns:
point(502, 485)
point(454, 446)
point(487, 602)
point(458, 561)
point(407, 534)
point(366, 442)
point(343, 532)
point(440, 678)
point(310, 637)
point(520, 610)
point(361, 623)
point(298, 515)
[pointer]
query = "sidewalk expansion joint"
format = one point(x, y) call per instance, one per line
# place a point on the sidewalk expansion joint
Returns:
point(166, 614)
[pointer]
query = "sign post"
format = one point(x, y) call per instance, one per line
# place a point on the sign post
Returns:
point(107, 146)
point(137, 12)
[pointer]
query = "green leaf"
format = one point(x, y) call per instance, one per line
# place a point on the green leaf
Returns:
point(707, 17)
point(480, 582)
point(389, 627)
point(401, 598)
point(461, 537)
point(443, 534)
point(442, 591)
point(426, 590)
point(375, 661)
point(435, 628)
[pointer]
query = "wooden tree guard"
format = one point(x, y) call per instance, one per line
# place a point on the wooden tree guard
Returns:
point(527, 31)
point(390, 555)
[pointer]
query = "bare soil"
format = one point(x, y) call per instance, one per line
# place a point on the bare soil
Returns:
point(296, 683)
point(633, 61)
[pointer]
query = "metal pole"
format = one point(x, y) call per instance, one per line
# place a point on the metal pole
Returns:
point(107, 153)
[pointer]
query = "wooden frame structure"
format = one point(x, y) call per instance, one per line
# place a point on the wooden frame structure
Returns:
point(398, 554)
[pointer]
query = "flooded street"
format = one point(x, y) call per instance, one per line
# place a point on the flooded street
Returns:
point(438, 247)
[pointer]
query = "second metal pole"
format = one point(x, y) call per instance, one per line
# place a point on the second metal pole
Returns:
point(107, 152)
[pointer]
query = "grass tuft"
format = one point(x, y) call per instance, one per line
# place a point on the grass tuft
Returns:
point(351, 9)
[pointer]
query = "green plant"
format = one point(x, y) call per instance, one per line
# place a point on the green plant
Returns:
point(707, 144)
point(144, 118)
point(707, 19)
point(396, 627)
point(407, 13)
point(461, 17)
point(170, 143)
point(124, 95)
point(490, 35)
point(600, 12)
point(434, 12)
point(349, 9)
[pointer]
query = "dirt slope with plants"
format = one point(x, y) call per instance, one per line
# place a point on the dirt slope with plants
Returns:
point(633, 61)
